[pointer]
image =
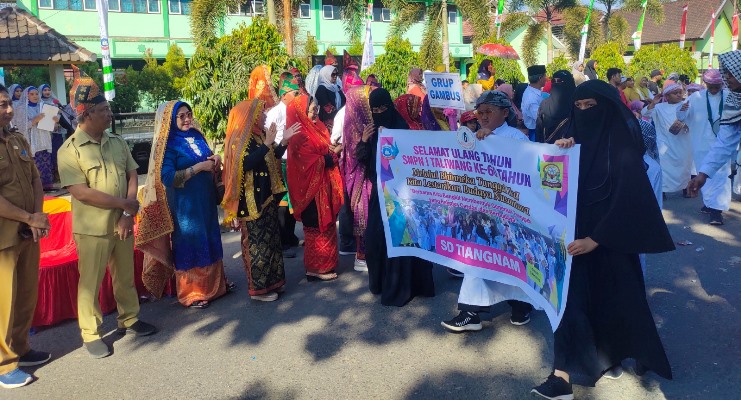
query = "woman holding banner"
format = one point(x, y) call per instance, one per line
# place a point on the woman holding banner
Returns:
point(607, 317)
point(398, 279)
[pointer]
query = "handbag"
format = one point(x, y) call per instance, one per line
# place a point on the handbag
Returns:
point(220, 188)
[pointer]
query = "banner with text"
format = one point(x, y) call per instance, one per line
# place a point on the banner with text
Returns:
point(498, 209)
point(444, 90)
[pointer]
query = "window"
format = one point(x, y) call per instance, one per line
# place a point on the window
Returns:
point(304, 10)
point(452, 17)
point(89, 5)
point(113, 5)
point(178, 6)
point(45, 4)
point(258, 8)
point(129, 6)
point(385, 15)
point(73, 5)
point(249, 7)
point(328, 12)
point(234, 9)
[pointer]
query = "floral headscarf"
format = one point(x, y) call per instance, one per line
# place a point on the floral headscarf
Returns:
point(410, 108)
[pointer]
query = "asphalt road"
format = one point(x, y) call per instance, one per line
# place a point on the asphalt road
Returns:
point(334, 340)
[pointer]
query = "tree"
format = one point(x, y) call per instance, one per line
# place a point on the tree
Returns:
point(506, 69)
point(27, 76)
point(559, 63)
point(127, 93)
point(549, 8)
point(574, 21)
point(533, 35)
point(220, 71)
point(392, 68)
point(356, 48)
point(205, 17)
point(654, 9)
point(176, 66)
point(668, 57)
point(154, 82)
point(607, 56)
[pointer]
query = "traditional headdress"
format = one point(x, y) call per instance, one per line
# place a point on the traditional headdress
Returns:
point(85, 93)
point(712, 77)
point(288, 83)
point(329, 59)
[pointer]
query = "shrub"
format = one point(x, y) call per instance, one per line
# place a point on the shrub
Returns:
point(392, 68)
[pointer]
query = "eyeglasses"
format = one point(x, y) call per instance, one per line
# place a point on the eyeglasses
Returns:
point(184, 116)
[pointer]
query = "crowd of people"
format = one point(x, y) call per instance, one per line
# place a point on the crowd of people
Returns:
point(306, 150)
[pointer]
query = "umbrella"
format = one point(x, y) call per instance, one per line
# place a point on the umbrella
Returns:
point(498, 50)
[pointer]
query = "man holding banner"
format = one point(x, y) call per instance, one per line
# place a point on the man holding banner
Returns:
point(495, 113)
point(532, 97)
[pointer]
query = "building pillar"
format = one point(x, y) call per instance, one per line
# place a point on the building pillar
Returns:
point(164, 4)
point(56, 81)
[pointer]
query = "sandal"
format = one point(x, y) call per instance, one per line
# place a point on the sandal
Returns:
point(199, 304)
point(231, 287)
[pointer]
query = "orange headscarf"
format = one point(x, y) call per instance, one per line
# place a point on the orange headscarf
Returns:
point(242, 128)
point(261, 87)
point(308, 176)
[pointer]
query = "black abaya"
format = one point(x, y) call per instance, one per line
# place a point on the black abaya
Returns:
point(607, 317)
point(398, 280)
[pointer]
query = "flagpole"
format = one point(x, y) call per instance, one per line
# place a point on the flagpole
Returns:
point(108, 85)
point(585, 32)
point(368, 55)
point(639, 28)
point(683, 28)
point(498, 18)
point(712, 39)
point(734, 30)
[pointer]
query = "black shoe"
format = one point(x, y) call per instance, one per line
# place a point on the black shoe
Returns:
point(519, 319)
point(705, 210)
point(465, 321)
point(140, 328)
point(613, 373)
point(640, 369)
point(716, 218)
point(33, 358)
point(455, 273)
point(554, 388)
point(97, 349)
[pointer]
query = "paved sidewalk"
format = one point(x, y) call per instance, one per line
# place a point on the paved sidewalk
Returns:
point(334, 340)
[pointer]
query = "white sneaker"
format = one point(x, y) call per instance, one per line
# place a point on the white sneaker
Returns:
point(272, 296)
point(361, 265)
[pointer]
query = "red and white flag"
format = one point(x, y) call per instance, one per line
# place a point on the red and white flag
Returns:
point(712, 40)
point(734, 32)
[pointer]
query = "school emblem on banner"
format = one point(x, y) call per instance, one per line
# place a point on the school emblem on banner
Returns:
point(551, 176)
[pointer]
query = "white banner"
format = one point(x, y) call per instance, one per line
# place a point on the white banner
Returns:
point(498, 209)
point(444, 90)
point(108, 85)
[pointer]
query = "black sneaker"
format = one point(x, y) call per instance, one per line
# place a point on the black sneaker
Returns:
point(140, 328)
point(519, 319)
point(465, 321)
point(705, 210)
point(716, 218)
point(33, 358)
point(613, 373)
point(554, 388)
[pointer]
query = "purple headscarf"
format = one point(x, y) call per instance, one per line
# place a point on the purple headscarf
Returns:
point(357, 116)
point(428, 118)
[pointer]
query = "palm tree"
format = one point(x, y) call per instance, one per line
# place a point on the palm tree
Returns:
point(549, 9)
point(654, 9)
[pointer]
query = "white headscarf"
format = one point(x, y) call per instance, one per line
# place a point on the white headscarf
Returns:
point(312, 80)
point(325, 79)
point(39, 139)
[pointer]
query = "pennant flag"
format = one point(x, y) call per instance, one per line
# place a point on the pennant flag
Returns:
point(712, 40)
point(110, 90)
point(584, 32)
point(498, 16)
point(734, 34)
point(368, 56)
point(683, 29)
point(639, 29)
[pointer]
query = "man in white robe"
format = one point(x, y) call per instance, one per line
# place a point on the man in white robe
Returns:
point(494, 110)
point(702, 114)
point(675, 151)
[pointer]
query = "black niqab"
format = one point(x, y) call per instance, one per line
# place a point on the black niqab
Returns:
point(391, 118)
point(519, 92)
point(556, 108)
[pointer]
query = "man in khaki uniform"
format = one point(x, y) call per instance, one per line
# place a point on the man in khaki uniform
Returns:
point(22, 224)
point(100, 174)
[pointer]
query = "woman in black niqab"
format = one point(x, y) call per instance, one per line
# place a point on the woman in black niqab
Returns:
point(398, 280)
point(552, 122)
point(607, 317)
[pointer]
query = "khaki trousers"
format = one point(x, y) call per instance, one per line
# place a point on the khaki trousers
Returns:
point(19, 288)
point(95, 252)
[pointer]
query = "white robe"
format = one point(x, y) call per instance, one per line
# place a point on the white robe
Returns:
point(675, 151)
point(716, 193)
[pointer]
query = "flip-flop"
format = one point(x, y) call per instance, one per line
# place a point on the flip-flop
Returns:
point(200, 304)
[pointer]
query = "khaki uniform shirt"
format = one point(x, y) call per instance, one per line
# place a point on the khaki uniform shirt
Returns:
point(102, 166)
point(17, 172)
